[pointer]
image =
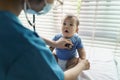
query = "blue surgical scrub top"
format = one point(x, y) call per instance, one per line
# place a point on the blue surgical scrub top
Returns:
point(23, 55)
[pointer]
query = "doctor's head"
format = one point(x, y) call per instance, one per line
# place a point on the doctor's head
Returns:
point(37, 6)
point(30, 6)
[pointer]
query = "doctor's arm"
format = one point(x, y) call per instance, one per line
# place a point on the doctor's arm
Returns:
point(73, 73)
point(58, 44)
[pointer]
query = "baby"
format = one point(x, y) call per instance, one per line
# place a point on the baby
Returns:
point(67, 58)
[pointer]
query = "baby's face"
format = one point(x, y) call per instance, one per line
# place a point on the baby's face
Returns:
point(69, 27)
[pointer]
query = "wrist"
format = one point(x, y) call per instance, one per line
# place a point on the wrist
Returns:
point(54, 44)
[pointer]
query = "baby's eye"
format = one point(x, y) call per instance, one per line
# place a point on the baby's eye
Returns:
point(71, 24)
point(64, 23)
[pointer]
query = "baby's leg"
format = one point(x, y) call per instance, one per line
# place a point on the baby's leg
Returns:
point(55, 57)
point(62, 64)
point(71, 62)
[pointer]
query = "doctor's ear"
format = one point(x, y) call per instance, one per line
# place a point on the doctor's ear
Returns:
point(50, 1)
point(35, 1)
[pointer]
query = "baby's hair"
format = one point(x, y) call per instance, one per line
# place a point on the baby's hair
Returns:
point(71, 16)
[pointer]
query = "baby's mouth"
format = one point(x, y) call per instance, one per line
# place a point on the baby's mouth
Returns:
point(66, 31)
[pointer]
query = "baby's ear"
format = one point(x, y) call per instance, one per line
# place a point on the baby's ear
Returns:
point(77, 29)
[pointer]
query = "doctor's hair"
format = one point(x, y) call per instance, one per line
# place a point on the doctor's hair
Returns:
point(73, 16)
point(37, 0)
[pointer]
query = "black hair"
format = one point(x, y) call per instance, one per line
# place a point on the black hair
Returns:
point(37, 0)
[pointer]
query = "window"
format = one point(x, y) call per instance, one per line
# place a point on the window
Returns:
point(100, 25)
point(99, 22)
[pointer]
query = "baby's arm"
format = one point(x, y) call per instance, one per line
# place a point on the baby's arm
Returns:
point(81, 53)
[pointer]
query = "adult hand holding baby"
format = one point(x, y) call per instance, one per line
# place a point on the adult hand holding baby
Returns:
point(74, 61)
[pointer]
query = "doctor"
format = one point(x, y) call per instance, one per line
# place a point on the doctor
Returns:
point(23, 55)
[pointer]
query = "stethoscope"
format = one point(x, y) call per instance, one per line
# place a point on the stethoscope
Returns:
point(32, 24)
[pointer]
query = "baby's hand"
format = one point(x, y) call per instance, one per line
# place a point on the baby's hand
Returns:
point(85, 63)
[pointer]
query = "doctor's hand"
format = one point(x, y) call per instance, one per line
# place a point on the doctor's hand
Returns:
point(76, 61)
point(85, 63)
point(64, 43)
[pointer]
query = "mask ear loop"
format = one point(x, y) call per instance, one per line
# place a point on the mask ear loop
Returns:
point(32, 24)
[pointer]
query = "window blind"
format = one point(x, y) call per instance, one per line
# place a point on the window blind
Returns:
point(99, 23)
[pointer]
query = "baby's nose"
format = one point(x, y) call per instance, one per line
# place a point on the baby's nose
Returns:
point(66, 26)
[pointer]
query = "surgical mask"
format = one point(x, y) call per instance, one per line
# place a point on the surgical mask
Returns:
point(45, 9)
